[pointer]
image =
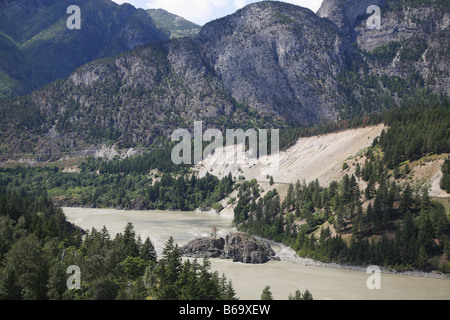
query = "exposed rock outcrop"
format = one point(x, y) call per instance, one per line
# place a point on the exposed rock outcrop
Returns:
point(413, 37)
point(238, 246)
point(269, 65)
point(279, 59)
point(346, 13)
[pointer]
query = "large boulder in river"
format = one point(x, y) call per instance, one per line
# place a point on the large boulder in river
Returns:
point(204, 247)
point(239, 247)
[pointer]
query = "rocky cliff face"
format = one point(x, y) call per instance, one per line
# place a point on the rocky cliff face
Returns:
point(269, 64)
point(346, 14)
point(237, 246)
point(133, 98)
point(279, 59)
point(414, 40)
point(414, 37)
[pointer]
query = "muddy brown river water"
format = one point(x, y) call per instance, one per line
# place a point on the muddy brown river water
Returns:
point(284, 277)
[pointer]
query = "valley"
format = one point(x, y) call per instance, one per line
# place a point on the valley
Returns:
point(90, 121)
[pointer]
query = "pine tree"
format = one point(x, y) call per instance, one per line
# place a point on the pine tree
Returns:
point(227, 291)
point(129, 243)
point(370, 189)
point(358, 170)
point(148, 252)
point(425, 200)
point(445, 181)
point(339, 218)
point(296, 296)
point(307, 295)
point(369, 218)
point(230, 293)
point(266, 293)
point(275, 205)
point(422, 258)
point(426, 233)
point(407, 200)
point(188, 282)
point(169, 269)
point(288, 200)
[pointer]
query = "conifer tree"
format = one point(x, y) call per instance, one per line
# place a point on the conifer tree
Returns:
point(407, 200)
point(445, 181)
point(169, 269)
point(266, 293)
point(147, 251)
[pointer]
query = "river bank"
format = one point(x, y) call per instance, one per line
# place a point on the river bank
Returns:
point(284, 277)
point(288, 254)
point(224, 224)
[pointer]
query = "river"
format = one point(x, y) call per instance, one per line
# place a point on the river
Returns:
point(284, 277)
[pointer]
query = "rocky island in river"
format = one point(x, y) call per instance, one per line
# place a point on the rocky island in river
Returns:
point(238, 246)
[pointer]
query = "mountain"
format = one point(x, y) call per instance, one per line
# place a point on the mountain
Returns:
point(270, 64)
point(346, 14)
point(141, 96)
point(280, 59)
point(172, 25)
point(136, 98)
point(43, 49)
point(14, 69)
point(413, 41)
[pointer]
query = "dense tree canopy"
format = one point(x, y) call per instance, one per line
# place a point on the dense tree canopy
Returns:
point(38, 245)
point(390, 223)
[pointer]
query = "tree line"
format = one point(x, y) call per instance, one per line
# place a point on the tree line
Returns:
point(37, 245)
point(415, 132)
point(163, 191)
point(398, 229)
point(389, 222)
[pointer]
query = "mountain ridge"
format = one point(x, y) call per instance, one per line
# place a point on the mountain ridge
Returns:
point(173, 25)
point(51, 51)
point(270, 64)
point(272, 44)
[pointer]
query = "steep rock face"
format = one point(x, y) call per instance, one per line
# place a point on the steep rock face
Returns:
point(346, 13)
point(412, 40)
point(237, 246)
point(411, 49)
point(270, 64)
point(135, 97)
point(187, 63)
point(281, 60)
point(275, 60)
